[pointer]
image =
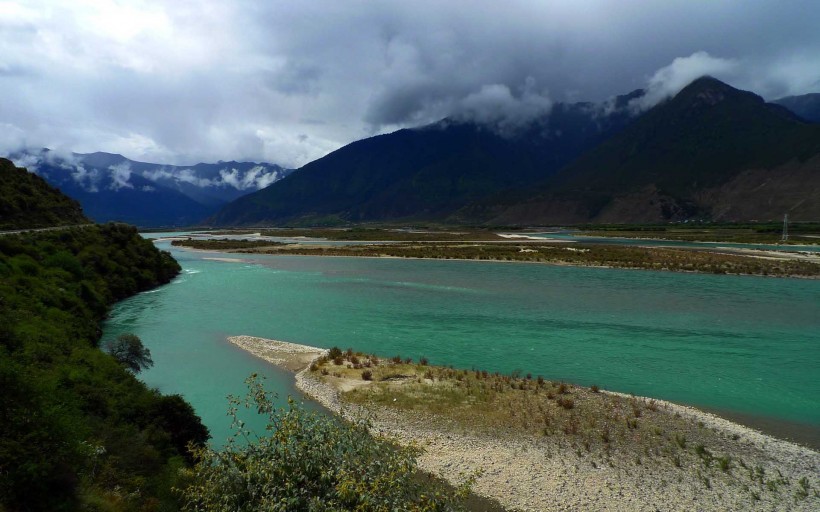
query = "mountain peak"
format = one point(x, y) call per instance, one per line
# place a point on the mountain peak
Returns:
point(712, 151)
point(709, 91)
point(102, 159)
point(709, 81)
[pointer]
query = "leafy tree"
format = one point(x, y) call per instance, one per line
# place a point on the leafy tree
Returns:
point(129, 351)
point(308, 462)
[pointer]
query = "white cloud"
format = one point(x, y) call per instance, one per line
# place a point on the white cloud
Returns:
point(12, 138)
point(789, 75)
point(182, 175)
point(88, 179)
point(669, 80)
point(496, 106)
point(250, 180)
point(189, 176)
point(287, 82)
point(120, 176)
point(257, 178)
point(231, 177)
point(253, 179)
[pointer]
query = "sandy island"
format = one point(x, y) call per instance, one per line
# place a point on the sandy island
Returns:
point(226, 260)
point(524, 472)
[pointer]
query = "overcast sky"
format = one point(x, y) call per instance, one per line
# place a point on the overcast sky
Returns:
point(288, 81)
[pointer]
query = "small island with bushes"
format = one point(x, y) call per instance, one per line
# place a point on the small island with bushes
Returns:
point(533, 444)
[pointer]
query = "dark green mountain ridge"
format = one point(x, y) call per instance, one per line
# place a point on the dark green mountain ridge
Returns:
point(711, 152)
point(27, 201)
point(427, 173)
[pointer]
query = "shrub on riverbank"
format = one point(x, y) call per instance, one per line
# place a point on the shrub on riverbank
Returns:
point(308, 461)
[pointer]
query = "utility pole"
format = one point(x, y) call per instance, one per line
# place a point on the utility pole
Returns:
point(785, 236)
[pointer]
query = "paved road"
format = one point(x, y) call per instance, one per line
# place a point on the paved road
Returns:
point(54, 228)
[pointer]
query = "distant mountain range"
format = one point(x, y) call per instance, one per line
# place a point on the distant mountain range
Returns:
point(429, 173)
point(111, 187)
point(806, 106)
point(27, 201)
point(712, 152)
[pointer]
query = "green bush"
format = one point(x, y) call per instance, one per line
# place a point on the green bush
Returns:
point(311, 462)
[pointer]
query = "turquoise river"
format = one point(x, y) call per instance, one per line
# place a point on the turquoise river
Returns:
point(747, 347)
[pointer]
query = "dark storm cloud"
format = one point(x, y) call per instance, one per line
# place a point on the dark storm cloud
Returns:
point(287, 82)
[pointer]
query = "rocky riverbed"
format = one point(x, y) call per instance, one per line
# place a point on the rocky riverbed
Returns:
point(532, 473)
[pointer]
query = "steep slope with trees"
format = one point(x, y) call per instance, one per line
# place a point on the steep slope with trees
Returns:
point(27, 201)
point(78, 430)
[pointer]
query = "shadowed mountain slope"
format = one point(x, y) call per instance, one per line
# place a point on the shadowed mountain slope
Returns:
point(711, 152)
point(806, 106)
point(426, 173)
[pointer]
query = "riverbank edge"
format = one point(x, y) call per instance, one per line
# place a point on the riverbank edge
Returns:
point(261, 252)
point(448, 454)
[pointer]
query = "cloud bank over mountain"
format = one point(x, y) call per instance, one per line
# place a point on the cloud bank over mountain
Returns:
point(254, 178)
point(669, 80)
point(181, 82)
point(103, 173)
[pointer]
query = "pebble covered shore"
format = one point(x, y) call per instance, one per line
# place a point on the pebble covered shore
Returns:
point(539, 474)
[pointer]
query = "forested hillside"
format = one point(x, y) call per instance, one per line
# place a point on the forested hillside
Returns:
point(78, 430)
point(27, 201)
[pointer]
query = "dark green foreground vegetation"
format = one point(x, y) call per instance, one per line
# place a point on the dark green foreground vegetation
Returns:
point(78, 430)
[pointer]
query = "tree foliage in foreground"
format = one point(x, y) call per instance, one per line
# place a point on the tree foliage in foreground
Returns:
point(308, 462)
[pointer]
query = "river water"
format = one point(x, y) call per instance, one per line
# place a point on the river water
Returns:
point(745, 346)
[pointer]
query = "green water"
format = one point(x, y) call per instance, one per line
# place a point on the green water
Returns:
point(739, 344)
